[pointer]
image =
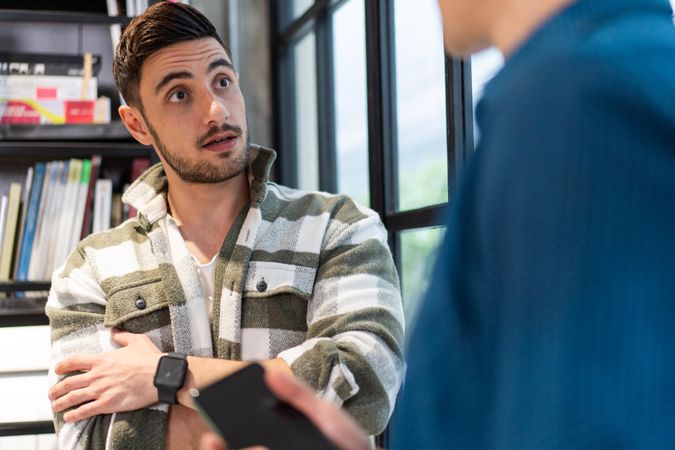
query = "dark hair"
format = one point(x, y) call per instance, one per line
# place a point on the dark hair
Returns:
point(161, 25)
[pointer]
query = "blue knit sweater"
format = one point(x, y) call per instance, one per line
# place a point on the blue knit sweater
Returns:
point(550, 319)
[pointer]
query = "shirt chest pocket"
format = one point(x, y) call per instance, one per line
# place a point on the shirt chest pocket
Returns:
point(276, 296)
point(266, 279)
point(138, 307)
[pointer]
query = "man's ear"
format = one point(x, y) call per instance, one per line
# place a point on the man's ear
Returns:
point(134, 122)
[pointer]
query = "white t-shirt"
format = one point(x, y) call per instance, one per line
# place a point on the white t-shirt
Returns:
point(206, 271)
point(207, 276)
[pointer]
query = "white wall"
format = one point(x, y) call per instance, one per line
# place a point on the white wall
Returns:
point(25, 353)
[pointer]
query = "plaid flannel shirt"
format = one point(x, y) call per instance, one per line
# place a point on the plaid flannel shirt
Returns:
point(331, 307)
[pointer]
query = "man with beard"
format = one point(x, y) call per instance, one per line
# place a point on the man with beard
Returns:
point(220, 266)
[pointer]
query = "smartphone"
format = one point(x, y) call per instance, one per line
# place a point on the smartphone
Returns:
point(246, 413)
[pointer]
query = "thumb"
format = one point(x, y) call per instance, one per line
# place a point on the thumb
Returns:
point(122, 338)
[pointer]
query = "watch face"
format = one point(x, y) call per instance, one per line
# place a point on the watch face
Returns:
point(170, 373)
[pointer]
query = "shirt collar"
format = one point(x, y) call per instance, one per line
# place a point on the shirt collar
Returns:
point(148, 193)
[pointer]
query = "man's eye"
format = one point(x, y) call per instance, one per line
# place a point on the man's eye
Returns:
point(224, 83)
point(178, 96)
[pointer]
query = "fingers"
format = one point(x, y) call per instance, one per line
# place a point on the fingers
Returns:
point(75, 364)
point(211, 441)
point(334, 423)
point(291, 390)
point(86, 411)
point(122, 338)
point(72, 399)
point(68, 384)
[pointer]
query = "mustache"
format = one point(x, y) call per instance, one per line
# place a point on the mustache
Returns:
point(215, 130)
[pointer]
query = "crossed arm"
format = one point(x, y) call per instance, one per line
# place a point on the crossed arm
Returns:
point(122, 380)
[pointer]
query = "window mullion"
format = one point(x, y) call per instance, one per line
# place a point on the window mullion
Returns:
point(326, 102)
point(459, 116)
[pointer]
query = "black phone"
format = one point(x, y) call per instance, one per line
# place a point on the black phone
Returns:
point(243, 410)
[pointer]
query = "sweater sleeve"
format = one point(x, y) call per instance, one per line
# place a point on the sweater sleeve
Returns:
point(353, 352)
point(76, 310)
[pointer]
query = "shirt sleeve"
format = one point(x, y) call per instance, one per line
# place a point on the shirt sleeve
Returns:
point(353, 352)
point(76, 310)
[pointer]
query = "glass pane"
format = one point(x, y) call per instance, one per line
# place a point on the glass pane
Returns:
point(351, 118)
point(300, 6)
point(288, 11)
point(484, 66)
point(306, 113)
point(421, 100)
point(418, 255)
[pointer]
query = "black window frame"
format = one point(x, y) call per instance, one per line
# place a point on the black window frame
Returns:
point(381, 111)
point(381, 104)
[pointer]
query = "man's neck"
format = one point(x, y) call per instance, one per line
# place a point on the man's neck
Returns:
point(205, 213)
point(516, 22)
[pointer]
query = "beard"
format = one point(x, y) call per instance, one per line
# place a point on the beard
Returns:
point(230, 165)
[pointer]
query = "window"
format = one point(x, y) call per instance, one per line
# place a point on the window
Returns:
point(306, 118)
point(370, 106)
point(420, 105)
point(484, 66)
point(351, 113)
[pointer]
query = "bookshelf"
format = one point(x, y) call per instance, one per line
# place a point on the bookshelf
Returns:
point(21, 146)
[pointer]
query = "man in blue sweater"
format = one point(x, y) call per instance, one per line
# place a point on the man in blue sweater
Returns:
point(550, 319)
point(550, 322)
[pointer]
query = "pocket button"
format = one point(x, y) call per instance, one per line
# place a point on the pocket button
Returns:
point(261, 286)
point(140, 303)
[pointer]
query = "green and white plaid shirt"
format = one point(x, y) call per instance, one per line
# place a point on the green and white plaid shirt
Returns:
point(303, 276)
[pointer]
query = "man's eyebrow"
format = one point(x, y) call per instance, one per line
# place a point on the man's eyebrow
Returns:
point(172, 76)
point(220, 62)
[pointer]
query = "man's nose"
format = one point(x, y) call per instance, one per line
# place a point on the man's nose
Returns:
point(216, 110)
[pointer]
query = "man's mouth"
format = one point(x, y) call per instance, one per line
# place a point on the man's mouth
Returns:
point(220, 140)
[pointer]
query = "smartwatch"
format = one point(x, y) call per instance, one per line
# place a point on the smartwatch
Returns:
point(170, 376)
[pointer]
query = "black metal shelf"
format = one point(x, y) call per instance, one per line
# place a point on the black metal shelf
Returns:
point(113, 131)
point(19, 15)
point(26, 311)
point(26, 428)
point(62, 150)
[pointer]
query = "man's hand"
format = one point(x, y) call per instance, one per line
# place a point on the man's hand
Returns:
point(116, 381)
point(334, 423)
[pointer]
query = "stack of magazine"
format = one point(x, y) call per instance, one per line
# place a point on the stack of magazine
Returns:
point(48, 88)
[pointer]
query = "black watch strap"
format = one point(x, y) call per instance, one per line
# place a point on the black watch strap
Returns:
point(167, 396)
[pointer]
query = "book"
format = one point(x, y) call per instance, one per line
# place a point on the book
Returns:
point(13, 203)
point(65, 214)
point(138, 166)
point(39, 64)
point(39, 251)
point(46, 87)
point(116, 211)
point(28, 184)
point(102, 205)
point(51, 225)
point(26, 245)
point(89, 203)
point(80, 204)
point(3, 217)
